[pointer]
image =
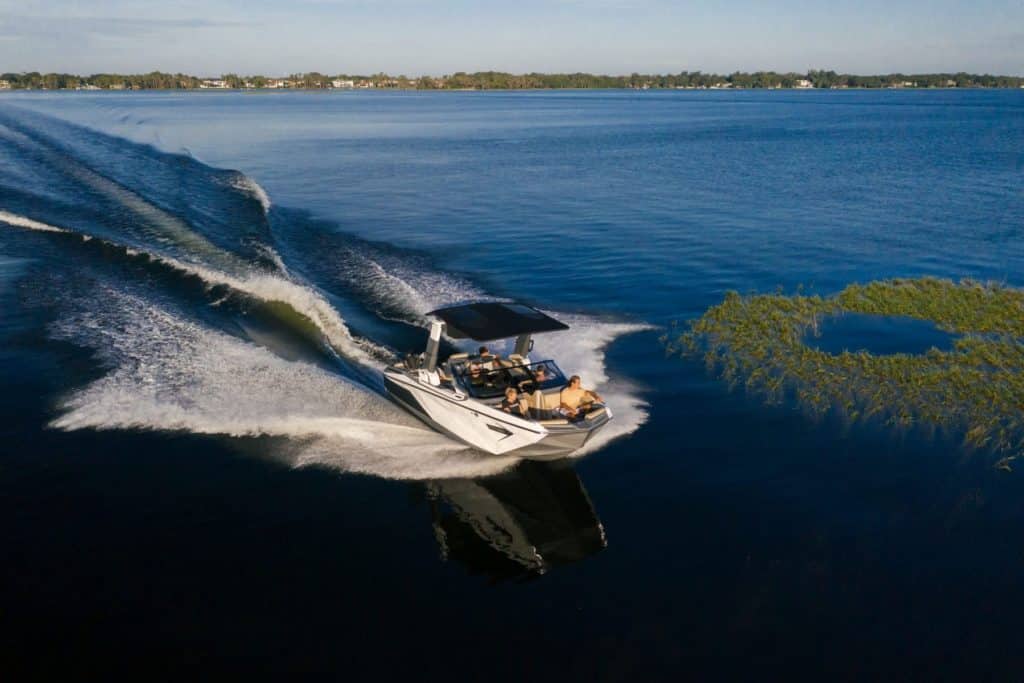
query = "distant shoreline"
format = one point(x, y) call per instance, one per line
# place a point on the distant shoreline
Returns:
point(270, 91)
point(494, 80)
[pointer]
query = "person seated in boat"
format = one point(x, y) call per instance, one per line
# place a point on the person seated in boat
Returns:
point(541, 407)
point(490, 360)
point(475, 372)
point(442, 377)
point(531, 384)
point(514, 404)
point(575, 401)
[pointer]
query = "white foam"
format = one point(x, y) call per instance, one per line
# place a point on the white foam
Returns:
point(172, 374)
point(253, 189)
point(28, 223)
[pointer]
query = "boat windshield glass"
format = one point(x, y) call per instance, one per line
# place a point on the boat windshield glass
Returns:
point(480, 382)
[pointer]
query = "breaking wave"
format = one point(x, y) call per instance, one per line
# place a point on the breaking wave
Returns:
point(245, 184)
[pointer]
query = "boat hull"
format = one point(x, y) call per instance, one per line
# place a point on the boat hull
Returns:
point(485, 427)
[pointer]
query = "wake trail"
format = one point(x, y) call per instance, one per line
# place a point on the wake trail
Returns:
point(172, 374)
point(264, 286)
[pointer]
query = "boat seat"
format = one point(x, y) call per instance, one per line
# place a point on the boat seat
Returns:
point(538, 400)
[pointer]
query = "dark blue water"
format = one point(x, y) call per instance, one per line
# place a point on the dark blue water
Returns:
point(878, 334)
point(198, 468)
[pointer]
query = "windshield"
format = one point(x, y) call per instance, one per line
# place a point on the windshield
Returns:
point(489, 379)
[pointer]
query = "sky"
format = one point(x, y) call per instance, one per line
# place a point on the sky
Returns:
point(435, 37)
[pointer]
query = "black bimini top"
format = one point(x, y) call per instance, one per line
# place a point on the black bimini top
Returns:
point(495, 320)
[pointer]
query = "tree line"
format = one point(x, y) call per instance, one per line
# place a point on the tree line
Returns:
point(497, 80)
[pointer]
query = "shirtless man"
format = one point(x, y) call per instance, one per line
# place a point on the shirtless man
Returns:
point(575, 400)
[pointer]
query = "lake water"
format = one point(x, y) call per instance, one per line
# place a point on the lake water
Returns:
point(878, 334)
point(191, 474)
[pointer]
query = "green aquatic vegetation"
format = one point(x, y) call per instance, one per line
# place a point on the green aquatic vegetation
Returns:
point(975, 389)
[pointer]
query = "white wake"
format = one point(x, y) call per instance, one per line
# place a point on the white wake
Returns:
point(168, 373)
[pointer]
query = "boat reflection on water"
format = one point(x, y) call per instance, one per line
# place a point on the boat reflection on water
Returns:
point(516, 524)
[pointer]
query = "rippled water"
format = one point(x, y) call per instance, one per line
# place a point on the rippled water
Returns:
point(199, 289)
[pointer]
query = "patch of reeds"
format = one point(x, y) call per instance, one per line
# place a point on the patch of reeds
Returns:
point(975, 389)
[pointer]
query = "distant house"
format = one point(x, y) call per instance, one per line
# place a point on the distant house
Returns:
point(803, 84)
point(277, 83)
point(950, 83)
point(213, 83)
point(5, 85)
point(347, 85)
point(88, 86)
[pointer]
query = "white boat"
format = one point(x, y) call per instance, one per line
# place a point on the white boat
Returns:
point(466, 406)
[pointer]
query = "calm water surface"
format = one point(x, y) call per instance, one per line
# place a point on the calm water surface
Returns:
point(198, 466)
